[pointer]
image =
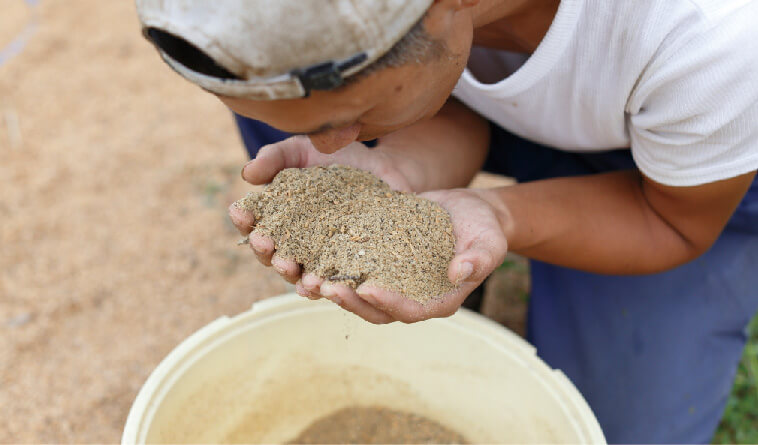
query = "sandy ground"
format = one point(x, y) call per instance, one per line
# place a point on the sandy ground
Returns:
point(114, 241)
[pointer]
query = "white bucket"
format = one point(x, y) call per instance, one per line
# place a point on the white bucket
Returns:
point(267, 374)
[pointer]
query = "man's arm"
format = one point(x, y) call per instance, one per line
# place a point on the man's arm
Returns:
point(444, 152)
point(616, 223)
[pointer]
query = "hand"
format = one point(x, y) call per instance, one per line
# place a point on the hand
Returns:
point(298, 152)
point(480, 248)
point(480, 243)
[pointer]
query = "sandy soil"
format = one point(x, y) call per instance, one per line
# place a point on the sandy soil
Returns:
point(114, 240)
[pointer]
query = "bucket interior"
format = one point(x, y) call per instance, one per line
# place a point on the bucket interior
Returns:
point(265, 376)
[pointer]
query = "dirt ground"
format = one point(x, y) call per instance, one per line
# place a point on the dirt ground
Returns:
point(114, 240)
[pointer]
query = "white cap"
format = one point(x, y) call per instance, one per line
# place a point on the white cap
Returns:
point(275, 49)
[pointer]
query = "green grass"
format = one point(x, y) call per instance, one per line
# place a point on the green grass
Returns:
point(740, 421)
point(515, 263)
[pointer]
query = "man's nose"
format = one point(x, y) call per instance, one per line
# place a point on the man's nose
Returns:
point(330, 141)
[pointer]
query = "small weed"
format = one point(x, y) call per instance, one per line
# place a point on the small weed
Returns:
point(212, 181)
point(740, 421)
point(515, 264)
point(232, 261)
point(211, 190)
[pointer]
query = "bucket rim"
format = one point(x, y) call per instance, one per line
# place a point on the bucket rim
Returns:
point(193, 348)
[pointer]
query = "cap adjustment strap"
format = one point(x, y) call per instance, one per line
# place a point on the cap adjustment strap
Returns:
point(328, 75)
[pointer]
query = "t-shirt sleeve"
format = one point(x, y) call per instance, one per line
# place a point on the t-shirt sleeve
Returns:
point(693, 116)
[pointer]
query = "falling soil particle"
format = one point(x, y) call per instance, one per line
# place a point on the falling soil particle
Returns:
point(346, 225)
point(371, 425)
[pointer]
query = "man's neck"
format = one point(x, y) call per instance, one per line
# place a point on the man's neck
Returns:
point(513, 25)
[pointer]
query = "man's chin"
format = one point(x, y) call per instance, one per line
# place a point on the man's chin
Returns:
point(366, 136)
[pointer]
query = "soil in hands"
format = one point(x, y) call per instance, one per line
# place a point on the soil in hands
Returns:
point(346, 225)
point(375, 425)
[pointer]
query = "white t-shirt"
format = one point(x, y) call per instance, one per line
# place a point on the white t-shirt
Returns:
point(675, 80)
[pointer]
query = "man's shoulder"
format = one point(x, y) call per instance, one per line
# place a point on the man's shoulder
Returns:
point(678, 31)
point(715, 10)
point(666, 16)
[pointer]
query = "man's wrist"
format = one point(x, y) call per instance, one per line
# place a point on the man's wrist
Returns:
point(497, 198)
point(406, 164)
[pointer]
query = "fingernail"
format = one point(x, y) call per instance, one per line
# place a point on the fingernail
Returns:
point(279, 268)
point(310, 283)
point(368, 298)
point(242, 172)
point(328, 291)
point(464, 272)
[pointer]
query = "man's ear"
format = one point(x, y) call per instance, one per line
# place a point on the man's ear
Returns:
point(459, 4)
point(441, 15)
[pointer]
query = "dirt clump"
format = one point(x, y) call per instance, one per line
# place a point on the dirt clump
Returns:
point(375, 425)
point(346, 225)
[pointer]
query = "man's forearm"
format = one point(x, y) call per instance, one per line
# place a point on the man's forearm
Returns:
point(443, 152)
point(600, 223)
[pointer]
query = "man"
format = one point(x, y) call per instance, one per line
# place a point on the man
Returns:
point(631, 126)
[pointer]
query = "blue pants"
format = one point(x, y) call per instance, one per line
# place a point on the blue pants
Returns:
point(654, 355)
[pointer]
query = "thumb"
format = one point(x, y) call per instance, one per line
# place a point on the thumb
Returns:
point(474, 264)
point(271, 159)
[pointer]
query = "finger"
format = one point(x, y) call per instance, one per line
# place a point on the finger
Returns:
point(274, 158)
point(303, 292)
point(312, 282)
point(472, 265)
point(288, 269)
point(346, 298)
point(407, 310)
point(263, 247)
point(396, 305)
point(244, 221)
